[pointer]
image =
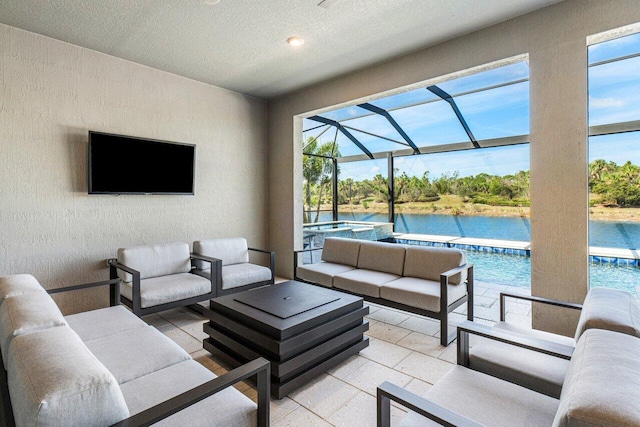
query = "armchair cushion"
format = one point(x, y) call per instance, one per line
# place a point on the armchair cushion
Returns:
point(225, 408)
point(609, 309)
point(322, 272)
point(602, 385)
point(54, 380)
point(18, 284)
point(487, 400)
point(420, 293)
point(237, 275)
point(429, 263)
point(164, 289)
point(24, 313)
point(155, 260)
point(231, 250)
point(339, 250)
point(134, 353)
point(383, 257)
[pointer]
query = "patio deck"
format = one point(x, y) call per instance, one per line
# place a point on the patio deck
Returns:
point(404, 349)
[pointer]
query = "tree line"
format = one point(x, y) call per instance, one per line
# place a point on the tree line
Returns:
point(609, 184)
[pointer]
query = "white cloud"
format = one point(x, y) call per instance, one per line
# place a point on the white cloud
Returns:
point(375, 170)
point(605, 102)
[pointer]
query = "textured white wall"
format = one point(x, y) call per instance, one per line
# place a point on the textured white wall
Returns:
point(555, 40)
point(51, 94)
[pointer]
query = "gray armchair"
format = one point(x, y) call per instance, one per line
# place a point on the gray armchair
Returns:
point(159, 277)
point(233, 271)
point(603, 308)
point(600, 388)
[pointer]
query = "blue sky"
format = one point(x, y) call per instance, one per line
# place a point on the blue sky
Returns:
point(614, 96)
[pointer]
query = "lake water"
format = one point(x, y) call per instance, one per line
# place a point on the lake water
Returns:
point(516, 270)
point(601, 233)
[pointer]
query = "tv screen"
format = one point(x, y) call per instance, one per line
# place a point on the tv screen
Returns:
point(128, 165)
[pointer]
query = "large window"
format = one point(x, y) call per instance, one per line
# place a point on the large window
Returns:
point(614, 162)
point(458, 156)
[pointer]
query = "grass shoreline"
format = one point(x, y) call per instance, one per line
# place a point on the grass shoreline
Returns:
point(453, 205)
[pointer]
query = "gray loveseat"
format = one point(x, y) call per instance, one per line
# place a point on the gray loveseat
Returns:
point(107, 367)
point(424, 280)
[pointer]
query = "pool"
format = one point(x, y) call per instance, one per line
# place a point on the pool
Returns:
point(514, 270)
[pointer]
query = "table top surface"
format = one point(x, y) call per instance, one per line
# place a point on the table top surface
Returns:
point(286, 304)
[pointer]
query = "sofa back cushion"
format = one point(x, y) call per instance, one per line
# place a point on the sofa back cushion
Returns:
point(25, 313)
point(54, 380)
point(609, 309)
point(231, 250)
point(380, 256)
point(18, 284)
point(339, 250)
point(602, 384)
point(155, 260)
point(429, 263)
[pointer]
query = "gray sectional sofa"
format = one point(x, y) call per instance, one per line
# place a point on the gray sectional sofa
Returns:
point(424, 280)
point(107, 367)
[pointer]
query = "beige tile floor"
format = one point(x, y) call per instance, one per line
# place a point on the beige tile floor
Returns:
point(404, 349)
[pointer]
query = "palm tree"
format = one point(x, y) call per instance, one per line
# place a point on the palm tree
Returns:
point(316, 172)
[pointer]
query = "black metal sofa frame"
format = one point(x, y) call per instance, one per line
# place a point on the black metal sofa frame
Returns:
point(445, 337)
point(257, 371)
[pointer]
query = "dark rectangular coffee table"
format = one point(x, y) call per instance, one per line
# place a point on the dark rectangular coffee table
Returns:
point(303, 329)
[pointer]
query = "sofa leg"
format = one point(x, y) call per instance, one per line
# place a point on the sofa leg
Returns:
point(444, 332)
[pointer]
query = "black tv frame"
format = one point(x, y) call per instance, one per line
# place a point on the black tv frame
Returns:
point(89, 183)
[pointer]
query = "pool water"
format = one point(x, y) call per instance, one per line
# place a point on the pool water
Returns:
point(513, 270)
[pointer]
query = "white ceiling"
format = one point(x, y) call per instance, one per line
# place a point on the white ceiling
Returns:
point(240, 44)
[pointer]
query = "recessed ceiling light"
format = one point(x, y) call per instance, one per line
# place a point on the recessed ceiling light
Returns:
point(210, 1)
point(295, 41)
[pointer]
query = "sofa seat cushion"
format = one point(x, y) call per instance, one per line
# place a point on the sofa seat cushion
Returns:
point(602, 385)
point(363, 282)
point(487, 400)
point(236, 275)
point(137, 352)
point(160, 290)
point(25, 313)
point(231, 250)
point(535, 371)
point(383, 257)
point(609, 309)
point(322, 272)
point(155, 260)
point(339, 250)
point(420, 293)
point(18, 284)
point(226, 408)
point(429, 263)
point(94, 324)
point(54, 380)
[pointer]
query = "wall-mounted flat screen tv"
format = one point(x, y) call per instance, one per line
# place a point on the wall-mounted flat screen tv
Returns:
point(121, 164)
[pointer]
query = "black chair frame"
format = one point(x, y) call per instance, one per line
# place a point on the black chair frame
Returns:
point(135, 304)
point(446, 337)
point(258, 370)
